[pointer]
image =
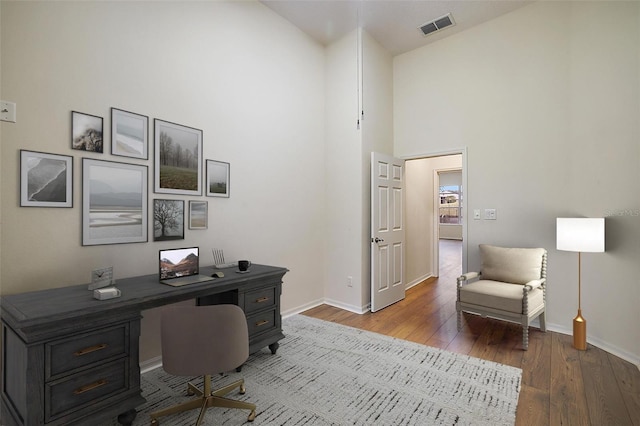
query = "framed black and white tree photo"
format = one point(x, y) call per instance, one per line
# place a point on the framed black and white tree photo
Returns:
point(114, 202)
point(168, 220)
point(46, 180)
point(178, 165)
point(218, 176)
point(129, 134)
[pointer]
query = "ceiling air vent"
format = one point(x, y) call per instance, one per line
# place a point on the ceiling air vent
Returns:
point(437, 24)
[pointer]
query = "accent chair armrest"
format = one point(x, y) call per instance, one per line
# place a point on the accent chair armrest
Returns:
point(468, 276)
point(534, 284)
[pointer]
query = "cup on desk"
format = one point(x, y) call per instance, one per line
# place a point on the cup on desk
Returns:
point(243, 265)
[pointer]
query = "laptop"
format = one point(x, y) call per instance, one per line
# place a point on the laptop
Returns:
point(180, 267)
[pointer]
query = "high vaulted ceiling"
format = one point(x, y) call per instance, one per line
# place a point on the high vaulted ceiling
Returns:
point(392, 23)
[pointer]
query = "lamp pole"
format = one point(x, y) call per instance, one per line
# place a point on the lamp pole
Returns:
point(579, 323)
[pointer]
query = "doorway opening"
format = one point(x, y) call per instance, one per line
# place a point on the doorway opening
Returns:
point(435, 223)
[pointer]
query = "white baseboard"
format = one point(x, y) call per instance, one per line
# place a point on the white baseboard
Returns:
point(351, 308)
point(150, 364)
point(418, 281)
point(305, 307)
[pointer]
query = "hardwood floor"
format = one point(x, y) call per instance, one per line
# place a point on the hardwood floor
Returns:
point(560, 385)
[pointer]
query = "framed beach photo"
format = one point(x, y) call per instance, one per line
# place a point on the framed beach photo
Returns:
point(218, 176)
point(168, 220)
point(198, 215)
point(86, 132)
point(114, 202)
point(129, 134)
point(46, 180)
point(178, 150)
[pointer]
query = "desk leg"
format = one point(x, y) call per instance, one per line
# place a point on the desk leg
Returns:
point(126, 418)
point(274, 347)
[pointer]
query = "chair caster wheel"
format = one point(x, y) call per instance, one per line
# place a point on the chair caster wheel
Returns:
point(155, 422)
point(252, 416)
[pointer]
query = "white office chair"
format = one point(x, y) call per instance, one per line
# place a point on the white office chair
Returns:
point(201, 340)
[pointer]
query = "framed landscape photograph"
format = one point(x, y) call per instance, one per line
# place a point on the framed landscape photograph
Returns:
point(168, 220)
point(129, 134)
point(46, 180)
point(114, 202)
point(198, 215)
point(178, 168)
point(218, 175)
point(86, 132)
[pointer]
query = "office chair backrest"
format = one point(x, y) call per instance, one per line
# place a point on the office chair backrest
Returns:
point(199, 340)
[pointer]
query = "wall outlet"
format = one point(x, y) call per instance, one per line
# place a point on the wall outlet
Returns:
point(349, 281)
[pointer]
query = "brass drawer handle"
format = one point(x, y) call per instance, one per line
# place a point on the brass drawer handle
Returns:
point(91, 386)
point(262, 299)
point(90, 349)
point(261, 323)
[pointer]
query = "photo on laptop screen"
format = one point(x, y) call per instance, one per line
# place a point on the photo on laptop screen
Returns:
point(176, 263)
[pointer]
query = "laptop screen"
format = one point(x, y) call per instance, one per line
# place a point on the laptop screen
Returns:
point(175, 263)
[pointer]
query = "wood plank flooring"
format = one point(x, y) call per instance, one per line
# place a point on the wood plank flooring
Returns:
point(560, 385)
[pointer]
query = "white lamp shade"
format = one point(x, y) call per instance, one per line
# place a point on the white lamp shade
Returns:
point(580, 234)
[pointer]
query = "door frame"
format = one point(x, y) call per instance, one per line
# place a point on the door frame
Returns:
point(465, 186)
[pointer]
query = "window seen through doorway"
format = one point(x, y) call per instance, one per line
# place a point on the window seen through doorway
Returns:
point(450, 205)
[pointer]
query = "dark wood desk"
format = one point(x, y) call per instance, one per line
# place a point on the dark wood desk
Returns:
point(68, 358)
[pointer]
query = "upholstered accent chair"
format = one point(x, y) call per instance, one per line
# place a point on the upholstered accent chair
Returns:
point(511, 286)
point(203, 340)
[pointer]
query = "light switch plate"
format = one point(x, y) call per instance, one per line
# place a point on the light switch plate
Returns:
point(476, 214)
point(8, 111)
point(490, 214)
point(101, 278)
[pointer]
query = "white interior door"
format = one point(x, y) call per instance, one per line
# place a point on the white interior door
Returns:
point(387, 231)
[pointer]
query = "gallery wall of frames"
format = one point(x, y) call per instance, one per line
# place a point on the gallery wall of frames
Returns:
point(115, 199)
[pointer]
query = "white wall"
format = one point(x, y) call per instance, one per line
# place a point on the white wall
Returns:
point(250, 80)
point(348, 157)
point(549, 114)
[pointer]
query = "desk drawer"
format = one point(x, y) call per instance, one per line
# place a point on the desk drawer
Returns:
point(79, 351)
point(82, 389)
point(259, 299)
point(261, 322)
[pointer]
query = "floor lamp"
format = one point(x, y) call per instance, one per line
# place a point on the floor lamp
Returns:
point(581, 235)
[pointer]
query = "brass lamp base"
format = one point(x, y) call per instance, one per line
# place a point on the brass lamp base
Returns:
point(580, 332)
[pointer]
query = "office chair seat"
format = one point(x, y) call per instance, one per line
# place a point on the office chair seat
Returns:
point(201, 340)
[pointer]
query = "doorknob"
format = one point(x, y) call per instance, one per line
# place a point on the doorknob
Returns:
point(378, 240)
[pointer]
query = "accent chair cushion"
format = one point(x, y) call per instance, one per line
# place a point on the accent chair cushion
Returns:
point(499, 295)
point(511, 265)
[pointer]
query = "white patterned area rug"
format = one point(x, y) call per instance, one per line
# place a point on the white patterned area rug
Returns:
point(330, 374)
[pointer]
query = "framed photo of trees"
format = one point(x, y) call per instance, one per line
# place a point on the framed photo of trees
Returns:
point(218, 176)
point(168, 220)
point(178, 153)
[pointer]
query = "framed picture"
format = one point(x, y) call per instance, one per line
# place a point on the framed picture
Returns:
point(46, 180)
point(129, 134)
point(217, 178)
point(86, 132)
point(198, 215)
point(178, 169)
point(168, 220)
point(114, 202)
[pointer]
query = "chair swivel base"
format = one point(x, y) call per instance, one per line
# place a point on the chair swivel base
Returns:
point(208, 399)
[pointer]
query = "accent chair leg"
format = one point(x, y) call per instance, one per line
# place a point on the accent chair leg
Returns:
point(459, 321)
point(543, 321)
point(525, 337)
